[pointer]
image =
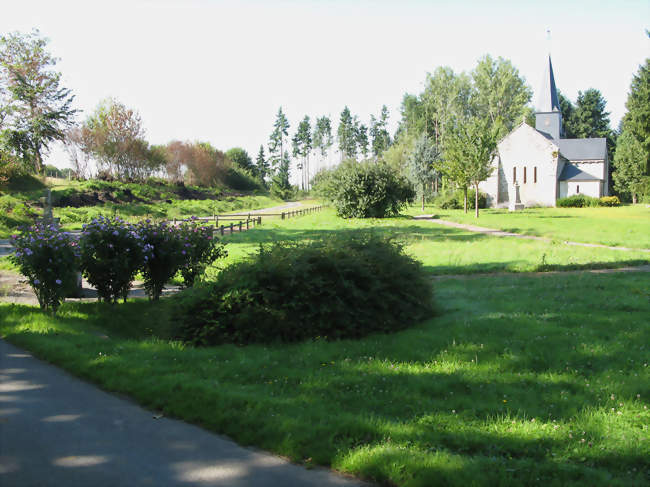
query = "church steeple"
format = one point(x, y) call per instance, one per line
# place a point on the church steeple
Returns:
point(548, 100)
point(548, 118)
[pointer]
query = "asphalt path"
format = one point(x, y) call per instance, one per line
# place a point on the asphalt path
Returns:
point(56, 430)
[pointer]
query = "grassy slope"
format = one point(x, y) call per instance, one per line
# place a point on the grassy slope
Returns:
point(19, 204)
point(442, 250)
point(544, 387)
point(627, 226)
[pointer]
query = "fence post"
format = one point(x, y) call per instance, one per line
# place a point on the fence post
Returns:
point(283, 215)
point(259, 220)
point(222, 230)
point(239, 226)
point(174, 221)
point(231, 227)
point(247, 220)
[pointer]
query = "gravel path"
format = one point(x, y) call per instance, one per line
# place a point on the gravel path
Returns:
point(501, 233)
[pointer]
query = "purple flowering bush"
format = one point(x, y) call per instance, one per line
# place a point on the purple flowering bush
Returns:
point(47, 257)
point(200, 249)
point(167, 255)
point(111, 253)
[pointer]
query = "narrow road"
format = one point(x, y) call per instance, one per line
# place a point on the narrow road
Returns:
point(56, 430)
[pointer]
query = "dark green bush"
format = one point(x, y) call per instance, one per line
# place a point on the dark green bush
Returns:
point(365, 189)
point(342, 287)
point(241, 179)
point(577, 201)
point(454, 200)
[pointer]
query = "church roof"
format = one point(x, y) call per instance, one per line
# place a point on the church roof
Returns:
point(584, 149)
point(573, 173)
point(548, 100)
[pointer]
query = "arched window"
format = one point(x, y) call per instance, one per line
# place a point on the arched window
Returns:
point(577, 189)
point(514, 174)
point(535, 174)
point(524, 174)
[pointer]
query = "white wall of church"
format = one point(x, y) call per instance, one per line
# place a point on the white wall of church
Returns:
point(523, 148)
point(588, 188)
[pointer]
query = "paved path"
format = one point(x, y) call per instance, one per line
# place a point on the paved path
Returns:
point(501, 233)
point(56, 430)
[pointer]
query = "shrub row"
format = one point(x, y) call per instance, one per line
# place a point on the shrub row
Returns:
point(109, 253)
point(583, 201)
point(343, 287)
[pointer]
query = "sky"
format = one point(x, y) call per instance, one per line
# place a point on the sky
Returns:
point(218, 71)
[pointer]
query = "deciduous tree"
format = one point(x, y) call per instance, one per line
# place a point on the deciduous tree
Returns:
point(34, 109)
point(422, 162)
point(469, 149)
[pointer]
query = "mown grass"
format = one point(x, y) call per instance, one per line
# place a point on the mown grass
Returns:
point(442, 250)
point(519, 380)
point(625, 226)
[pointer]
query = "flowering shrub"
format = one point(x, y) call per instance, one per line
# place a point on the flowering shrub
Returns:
point(200, 249)
point(47, 256)
point(111, 252)
point(167, 255)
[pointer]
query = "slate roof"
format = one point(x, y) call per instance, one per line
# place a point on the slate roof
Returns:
point(548, 100)
point(584, 149)
point(572, 173)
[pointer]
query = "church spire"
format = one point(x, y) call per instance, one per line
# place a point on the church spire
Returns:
point(548, 100)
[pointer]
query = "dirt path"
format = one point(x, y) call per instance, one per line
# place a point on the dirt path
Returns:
point(501, 233)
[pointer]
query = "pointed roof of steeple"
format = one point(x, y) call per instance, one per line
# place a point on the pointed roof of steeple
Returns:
point(548, 100)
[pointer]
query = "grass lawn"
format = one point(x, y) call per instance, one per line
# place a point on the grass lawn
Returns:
point(626, 226)
point(519, 380)
point(442, 250)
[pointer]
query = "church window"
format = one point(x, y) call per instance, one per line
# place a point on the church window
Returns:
point(514, 174)
point(535, 174)
point(524, 174)
point(577, 189)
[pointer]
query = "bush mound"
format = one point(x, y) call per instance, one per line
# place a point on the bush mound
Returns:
point(343, 287)
point(365, 189)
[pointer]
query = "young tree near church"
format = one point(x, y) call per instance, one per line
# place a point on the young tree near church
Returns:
point(35, 110)
point(362, 138)
point(469, 150)
point(422, 162)
point(379, 136)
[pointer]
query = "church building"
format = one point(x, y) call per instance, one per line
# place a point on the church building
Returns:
point(536, 166)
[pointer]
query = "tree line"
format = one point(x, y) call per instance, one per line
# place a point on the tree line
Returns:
point(446, 136)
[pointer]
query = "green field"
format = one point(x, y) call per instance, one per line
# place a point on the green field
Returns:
point(517, 380)
point(442, 250)
point(627, 226)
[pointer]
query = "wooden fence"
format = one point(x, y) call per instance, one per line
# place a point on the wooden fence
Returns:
point(245, 221)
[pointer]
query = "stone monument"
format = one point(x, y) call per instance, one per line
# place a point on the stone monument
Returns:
point(515, 203)
point(73, 281)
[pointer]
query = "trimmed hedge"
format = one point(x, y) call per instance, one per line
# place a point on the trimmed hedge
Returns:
point(584, 201)
point(342, 287)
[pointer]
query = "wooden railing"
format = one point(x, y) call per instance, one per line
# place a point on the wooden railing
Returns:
point(240, 224)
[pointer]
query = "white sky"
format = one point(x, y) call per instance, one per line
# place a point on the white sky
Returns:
point(217, 71)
